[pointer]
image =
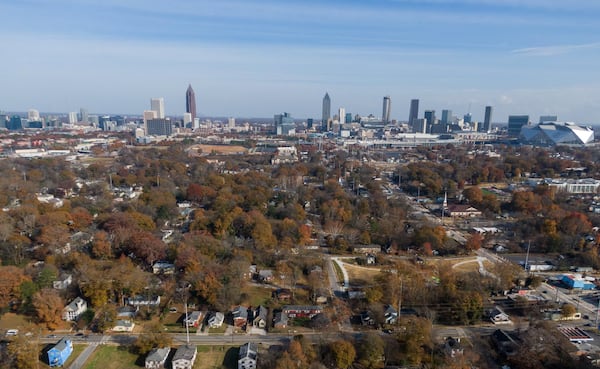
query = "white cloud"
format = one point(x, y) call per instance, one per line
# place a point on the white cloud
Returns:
point(555, 49)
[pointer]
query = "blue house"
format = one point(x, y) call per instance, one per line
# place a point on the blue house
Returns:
point(58, 355)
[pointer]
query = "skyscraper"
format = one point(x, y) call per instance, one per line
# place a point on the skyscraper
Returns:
point(414, 110)
point(326, 111)
point(446, 116)
point(341, 115)
point(83, 115)
point(487, 120)
point(515, 123)
point(387, 105)
point(431, 120)
point(158, 105)
point(72, 117)
point(190, 102)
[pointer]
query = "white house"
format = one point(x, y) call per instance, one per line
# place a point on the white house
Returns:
point(184, 357)
point(74, 309)
point(247, 356)
point(215, 320)
point(123, 325)
point(156, 358)
point(497, 316)
point(62, 282)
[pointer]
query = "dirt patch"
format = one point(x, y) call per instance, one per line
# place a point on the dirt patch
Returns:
point(217, 149)
point(360, 275)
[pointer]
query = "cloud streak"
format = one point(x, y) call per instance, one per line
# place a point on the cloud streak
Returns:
point(554, 50)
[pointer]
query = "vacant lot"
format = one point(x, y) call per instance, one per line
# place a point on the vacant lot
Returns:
point(113, 357)
point(360, 275)
point(218, 149)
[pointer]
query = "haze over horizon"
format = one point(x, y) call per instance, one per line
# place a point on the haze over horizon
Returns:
point(257, 58)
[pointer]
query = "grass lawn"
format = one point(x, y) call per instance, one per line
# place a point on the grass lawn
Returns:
point(217, 357)
point(257, 295)
point(360, 275)
point(113, 357)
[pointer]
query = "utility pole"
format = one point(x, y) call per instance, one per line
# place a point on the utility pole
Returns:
point(527, 257)
point(597, 312)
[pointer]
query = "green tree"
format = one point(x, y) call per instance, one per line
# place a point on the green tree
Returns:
point(343, 353)
point(371, 351)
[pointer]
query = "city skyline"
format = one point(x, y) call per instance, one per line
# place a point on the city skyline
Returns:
point(252, 59)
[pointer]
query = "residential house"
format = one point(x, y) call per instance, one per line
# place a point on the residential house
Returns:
point(58, 355)
point(453, 347)
point(260, 317)
point(366, 318)
point(62, 282)
point(184, 357)
point(280, 320)
point(193, 319)
point(127, 312)
point(283, 294)
point(371, 260)
point(157, 357)
point(163, 267)
point(301, 311)
point(390, 315)
point(75, 308)
point(240, 316)
point(498, 316)
point(215, 319)
point(265, 276)
point(143, 301)
point(247, 356)
point(123, 325)
point(462, 211)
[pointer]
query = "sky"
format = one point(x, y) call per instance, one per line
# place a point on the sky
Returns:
point(257, 58)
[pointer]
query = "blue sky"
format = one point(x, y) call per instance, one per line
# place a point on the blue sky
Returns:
point(256, 58)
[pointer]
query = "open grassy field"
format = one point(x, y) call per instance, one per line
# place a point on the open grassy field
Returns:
point(256, 295)
point(209, 357)
point(359, 275)
point(219, 149)
point(113, 357)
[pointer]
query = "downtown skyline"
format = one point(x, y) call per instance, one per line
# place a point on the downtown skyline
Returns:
point(256, 58)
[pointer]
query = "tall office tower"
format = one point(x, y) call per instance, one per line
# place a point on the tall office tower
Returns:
point(15, 123)
point(348, 118)
point(446, 117)
point(187, 120)
point(158, 105)
point(83, 115)
point(487, 120)
point(159, 127)
point(341, 115)
point(72, 117)
point(419, 125)
point(515, 123)
point(430, 116)
point(231, 122)
point(147, 115)
point(33, 115)
point(548, 118)
point(387, 105)
point(284, 124)
point(468, 118)
point(414, 111)
point(190, 101)
point(326, 112)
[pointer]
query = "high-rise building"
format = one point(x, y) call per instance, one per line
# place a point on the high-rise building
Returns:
point(83, 115)
point(515, 123)
point(419, 125)
point(72, 117)
point(446, 117)
point(348, 118)
point(326, 112)
point(15, 123)
point(187, 120)
point(284, 124)
point(430, 116)
point(387, 105)
point(487, 120)
point(190, 101)
point(468, 118)
point(341, 115)
point(414, 110)
point(158, 105)
point(231, 122)
point(33, 115)
point(548, 118)
point(159, 127)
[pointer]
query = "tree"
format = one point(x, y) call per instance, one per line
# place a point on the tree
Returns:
point(343, 353)
point(474, 242)
point(371, 351)
point(23, 353)
point(145, 343)
point(48, 307)
point(101, 248)
point(568, 310)
point(11, 278)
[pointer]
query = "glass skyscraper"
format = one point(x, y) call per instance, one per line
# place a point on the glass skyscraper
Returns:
point(326, 112)
point(190, 102)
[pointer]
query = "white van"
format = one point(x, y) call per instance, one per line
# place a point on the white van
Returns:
point(12, 332)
